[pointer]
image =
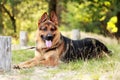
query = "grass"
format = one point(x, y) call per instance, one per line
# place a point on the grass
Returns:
point(21, 55)
point(95, 68)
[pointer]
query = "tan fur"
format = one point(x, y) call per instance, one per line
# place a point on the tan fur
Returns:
point(52, 57)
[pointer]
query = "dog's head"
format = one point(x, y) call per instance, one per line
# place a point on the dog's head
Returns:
point(48, 30)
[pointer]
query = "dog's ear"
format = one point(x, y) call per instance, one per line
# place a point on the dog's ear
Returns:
point(43, 18)
point(53, 17)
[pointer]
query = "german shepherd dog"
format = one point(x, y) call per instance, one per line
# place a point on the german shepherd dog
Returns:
point(52, 47)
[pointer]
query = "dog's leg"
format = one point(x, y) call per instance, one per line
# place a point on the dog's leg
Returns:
point(50, 61)
point(27, 64)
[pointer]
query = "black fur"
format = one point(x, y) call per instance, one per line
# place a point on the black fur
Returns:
point(82, 49)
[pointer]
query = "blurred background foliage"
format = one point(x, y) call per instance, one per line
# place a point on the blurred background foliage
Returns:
point(97, 16)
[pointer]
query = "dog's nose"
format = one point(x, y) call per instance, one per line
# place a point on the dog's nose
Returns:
point(49, 37)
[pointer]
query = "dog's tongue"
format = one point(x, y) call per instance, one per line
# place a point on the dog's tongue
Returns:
point(48, 43)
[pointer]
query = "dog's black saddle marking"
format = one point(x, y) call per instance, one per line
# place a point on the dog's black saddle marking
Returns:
point(82, 49)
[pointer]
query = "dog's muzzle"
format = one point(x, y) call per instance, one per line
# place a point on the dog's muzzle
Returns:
point(48, 40)
point(49, 37)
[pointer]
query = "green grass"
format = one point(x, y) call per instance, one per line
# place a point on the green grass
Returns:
point(95, 67)
point(21, 55)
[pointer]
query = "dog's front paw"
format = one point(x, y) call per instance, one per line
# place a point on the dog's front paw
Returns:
point(16, 67)
point(20, 66)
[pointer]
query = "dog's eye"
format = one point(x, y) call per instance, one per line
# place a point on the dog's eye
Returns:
point(43, 29)
point(53, 29)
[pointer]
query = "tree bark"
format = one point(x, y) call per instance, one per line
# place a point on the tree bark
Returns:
point(52, 6)
point(5, 53)
point(23, 38)
point(57, 7)
point(75, 34)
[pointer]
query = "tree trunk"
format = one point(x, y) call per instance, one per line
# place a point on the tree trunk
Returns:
point(60, 8)
point(57, 7)
point(52, 6)
point(23, 38)
point(5, 53)
point(75, 34)
point(12, 17)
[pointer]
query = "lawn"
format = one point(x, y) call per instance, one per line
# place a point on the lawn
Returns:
point(106, 68)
